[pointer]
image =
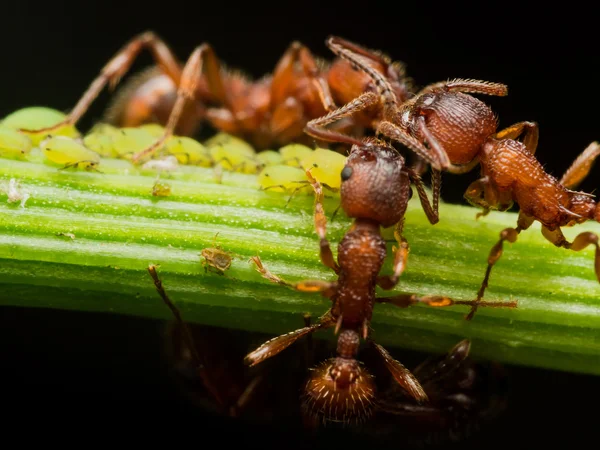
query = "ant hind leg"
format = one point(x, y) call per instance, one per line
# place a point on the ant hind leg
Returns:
point(580, 242)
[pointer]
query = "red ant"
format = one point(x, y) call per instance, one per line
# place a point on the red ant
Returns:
point(270, 111)
point(375, 191)
point(454, 131)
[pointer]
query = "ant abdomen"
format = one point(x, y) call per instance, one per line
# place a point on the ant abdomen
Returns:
point(459, 121)
point(340, 390)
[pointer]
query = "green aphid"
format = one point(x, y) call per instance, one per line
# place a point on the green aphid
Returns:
point(293, 154)
point(38, 117)
point(14, 145)
point(68, 152)
point(188, 151)
point(269, 158)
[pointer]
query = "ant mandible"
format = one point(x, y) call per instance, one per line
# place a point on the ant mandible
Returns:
point(270, 111)
point(375, 190)
point(454, 131)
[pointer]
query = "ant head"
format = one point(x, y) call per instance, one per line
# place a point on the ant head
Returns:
point(374, 185)
point(340, 390)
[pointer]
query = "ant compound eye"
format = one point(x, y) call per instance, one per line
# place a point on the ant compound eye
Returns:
point(346, 173)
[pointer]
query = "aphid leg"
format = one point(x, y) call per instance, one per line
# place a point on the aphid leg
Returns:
point(320, 226)
point(581, 166)
point(581, 241)
point(468, 86)
point(114, 70)
point(401, 374)
point(325, 287)
point(316, 127)
point(280, 343)
point(203, 371)
point(186, 91)
point(510, 235)
point(431, 211)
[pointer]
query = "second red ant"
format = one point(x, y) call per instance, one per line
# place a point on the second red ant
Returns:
point(454, 131)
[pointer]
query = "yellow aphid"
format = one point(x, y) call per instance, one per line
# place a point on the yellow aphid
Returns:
point(292, 154)
point(269, 157)
point(326, 166)
point(118, 166)
point(101, 143)
point(154, 129)
point(36, 117)
point(129, 141)
point(105, 128)
point(282, 178)
point(230, 141)
point(188, 151)
point(69, 152)
point(235, 158)
point(13, 144)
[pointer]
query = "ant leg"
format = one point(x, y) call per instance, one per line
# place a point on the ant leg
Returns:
point(468, 86)
point(186, 91)
point(116, 68)
point(283, 76)
point(320, 223)
point(581, 241)
point(581, 166)
point(436, 156)
point(435, 369)
point(401, 374)
point(510, 235)
point(325, 287)
point(440, 301)
point(529, 131)
point(432, 212)
point(388, 282)
point(187, 336)
point(316, 127)
point(276, 345)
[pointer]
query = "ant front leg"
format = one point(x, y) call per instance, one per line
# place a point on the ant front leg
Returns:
point(388, 282)
point(316, 127)
point(435, 155)
point(468, 87)
point(581, 166)
point(431, 211)
point(116, 68)
point(580, 242)
point(320, 224)
point(186, 91)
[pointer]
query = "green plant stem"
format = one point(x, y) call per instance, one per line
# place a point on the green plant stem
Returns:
point(119, 229)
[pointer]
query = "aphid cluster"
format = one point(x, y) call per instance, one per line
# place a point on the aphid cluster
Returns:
point(363, 102)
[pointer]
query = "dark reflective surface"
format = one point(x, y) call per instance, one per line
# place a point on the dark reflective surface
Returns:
point(105, 373)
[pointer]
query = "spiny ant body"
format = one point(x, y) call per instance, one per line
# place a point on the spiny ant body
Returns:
point(454, 131)
point(375, 191)
point(269, 112)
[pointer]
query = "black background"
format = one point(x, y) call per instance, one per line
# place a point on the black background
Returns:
point(105, 370)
